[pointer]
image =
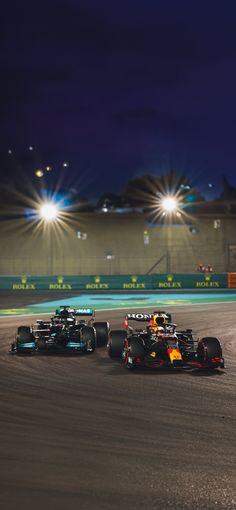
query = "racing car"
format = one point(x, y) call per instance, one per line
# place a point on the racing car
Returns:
point(69, 330)
point(162, 345)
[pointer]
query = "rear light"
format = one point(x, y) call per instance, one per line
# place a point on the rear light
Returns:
point(137, 360)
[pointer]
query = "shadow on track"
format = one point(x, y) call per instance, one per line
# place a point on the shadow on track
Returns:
point(117, 368)
point(207, 372)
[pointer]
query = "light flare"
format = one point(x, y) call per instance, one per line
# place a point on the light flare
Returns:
point(169, 203)
point(49, 211)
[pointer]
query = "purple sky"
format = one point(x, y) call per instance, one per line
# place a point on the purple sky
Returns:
point(119, 89)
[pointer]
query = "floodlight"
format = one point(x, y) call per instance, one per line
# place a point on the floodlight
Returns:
point(169, 203)
point(49, 211)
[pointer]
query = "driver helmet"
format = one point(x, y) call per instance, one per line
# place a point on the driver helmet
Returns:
point(156, 320)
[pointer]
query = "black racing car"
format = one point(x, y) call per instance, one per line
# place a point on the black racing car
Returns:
point(68, 330)
point(162, 346)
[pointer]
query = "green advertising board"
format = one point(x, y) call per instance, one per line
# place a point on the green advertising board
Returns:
point(117, 282)
point(190, 281)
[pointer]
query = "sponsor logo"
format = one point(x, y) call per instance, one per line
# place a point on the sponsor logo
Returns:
point(207, 283)
point(97, 284)
point(84, 310)
point(23, 285)
point(59, 286)
point(133, 284)
point(170, 283)
point(140, 316)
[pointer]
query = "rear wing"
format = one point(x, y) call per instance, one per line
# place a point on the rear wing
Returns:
point(139, 316)
point(146, 317)
point(73, 311)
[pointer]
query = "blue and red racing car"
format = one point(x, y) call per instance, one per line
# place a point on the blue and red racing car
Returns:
point(158, 344)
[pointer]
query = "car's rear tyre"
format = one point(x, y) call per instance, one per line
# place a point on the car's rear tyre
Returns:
point(88, 335)
point(116, 343)
point(102, 330)
point(209, 348)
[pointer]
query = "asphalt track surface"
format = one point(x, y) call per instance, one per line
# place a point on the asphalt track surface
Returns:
point(81, 432)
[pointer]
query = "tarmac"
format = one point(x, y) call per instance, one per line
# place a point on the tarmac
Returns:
point(83, 432)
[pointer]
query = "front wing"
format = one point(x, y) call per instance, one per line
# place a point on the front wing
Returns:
point(155, 361)
point(48, 346)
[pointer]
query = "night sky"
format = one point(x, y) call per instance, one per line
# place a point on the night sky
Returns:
point(118, 90)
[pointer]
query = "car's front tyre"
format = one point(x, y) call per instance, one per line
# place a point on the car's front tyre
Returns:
point(88, 336)
point(133, 352)
point(209, 352)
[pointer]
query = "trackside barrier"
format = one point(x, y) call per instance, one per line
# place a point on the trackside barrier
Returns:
point(119, 282)
point(231, 280)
